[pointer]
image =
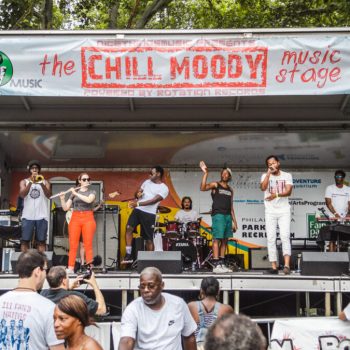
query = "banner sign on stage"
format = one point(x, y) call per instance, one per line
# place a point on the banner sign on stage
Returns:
point(322, 333)
point(179, 66)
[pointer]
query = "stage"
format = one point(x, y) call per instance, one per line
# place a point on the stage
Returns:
point(236, 283)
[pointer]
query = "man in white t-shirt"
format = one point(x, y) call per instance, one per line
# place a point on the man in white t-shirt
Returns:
point(145, 206)
point(156, 320)
point(186, 214)
point(277, 186)
point(338, 200)
point(26, 316)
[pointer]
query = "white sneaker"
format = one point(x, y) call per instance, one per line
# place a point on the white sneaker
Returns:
point(69, 271)
point(220, 268)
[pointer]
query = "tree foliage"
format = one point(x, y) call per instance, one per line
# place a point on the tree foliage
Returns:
point(172, 14)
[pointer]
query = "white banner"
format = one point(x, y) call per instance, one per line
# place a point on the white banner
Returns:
point(322, 333)
point(173, 67)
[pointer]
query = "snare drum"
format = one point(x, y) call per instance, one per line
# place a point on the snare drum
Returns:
point(173, 229)
point(192, 229)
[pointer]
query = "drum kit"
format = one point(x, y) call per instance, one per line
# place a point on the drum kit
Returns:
point(186, 238)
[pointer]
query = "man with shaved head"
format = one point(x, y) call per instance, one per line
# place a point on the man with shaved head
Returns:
point(156, 320)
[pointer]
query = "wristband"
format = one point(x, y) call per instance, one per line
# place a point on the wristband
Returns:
point(276, 195)
point(137, 204)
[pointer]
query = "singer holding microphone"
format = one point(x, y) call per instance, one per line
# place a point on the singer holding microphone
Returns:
point(82, 222)
point(277, 186)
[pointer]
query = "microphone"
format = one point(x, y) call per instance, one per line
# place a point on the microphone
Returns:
point(323, 211)
point(96, 261)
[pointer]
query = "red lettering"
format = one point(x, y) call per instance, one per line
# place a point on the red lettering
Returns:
point(176, 68)
point(292, 72)
point(238, 72)
point(43, 65)
point(201, 61)
point(68, 67)
point(214, 63)
point(91, 67)
point(115, 68)
point(305, 78)
point(332, 59)
point(334, 74)
point(135, 70)
point(315, 57)
point(57, 64)
point(253, 65)
point(301, 59)
point(281, 78)
point(127, 67)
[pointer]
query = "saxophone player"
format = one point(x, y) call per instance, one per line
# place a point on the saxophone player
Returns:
point(35, 191)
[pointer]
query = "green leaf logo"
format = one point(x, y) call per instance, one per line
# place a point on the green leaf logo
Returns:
point(6, 69)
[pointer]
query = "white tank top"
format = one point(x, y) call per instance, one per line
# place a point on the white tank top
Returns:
point(35, 205)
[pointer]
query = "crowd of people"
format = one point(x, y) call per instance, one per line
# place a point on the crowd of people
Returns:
point(56, 318)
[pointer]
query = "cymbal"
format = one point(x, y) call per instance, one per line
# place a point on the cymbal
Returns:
point(163, 210)
point(206, 212)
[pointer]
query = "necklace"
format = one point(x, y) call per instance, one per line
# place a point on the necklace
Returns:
point(25, 288)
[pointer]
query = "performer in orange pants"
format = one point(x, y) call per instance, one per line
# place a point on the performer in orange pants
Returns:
point(82, 222)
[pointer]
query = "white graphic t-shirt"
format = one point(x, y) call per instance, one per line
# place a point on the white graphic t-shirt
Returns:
point(340, 198)
point(26, 321)
point(277, 184)
point(35, 203)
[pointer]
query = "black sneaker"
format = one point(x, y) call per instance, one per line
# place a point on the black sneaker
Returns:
point(271, 272)
point(127, 259)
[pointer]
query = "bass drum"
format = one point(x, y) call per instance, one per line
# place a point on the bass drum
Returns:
point(187, 249)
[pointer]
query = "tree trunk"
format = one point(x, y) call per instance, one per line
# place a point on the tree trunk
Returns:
point(47, 18)
point(150, 11)
point(113, 12)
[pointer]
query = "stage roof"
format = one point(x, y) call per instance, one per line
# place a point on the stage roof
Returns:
point(65, 132)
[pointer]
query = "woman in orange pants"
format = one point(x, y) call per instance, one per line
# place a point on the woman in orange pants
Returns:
point(82, 221)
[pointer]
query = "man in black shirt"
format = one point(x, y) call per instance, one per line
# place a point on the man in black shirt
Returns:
point(59, 288)
point(222, 213)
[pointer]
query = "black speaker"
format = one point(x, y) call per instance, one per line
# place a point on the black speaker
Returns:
point(15, 255)
point(235, 260)
point(166, 262)
point(324, 263)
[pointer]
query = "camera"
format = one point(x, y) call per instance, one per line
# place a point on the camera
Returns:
point(86, 269)
point(85, 273)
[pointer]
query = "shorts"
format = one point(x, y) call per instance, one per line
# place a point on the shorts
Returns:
point(40, 227)
point(146, 220)
point(221, 226)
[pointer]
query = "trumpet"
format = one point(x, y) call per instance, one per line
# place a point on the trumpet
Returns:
point(38, 179)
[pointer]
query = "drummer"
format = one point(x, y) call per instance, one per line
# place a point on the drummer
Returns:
point(186, 214)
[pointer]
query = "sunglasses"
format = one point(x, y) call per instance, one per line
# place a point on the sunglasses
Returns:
point(85, 179)
point(339, 177)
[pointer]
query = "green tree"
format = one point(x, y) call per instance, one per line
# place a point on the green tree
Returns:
point(172, 14)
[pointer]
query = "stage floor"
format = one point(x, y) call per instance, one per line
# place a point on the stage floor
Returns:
point(235, 282)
